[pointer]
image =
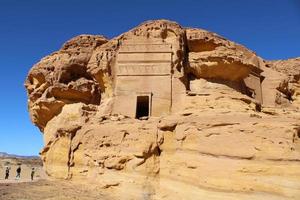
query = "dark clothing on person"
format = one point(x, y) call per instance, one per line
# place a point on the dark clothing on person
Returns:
point(19, 170)
point(7, 173)
point(32, 173)
point(18, 173)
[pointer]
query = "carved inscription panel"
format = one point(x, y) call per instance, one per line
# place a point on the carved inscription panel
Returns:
point(144, 69)
point(144, 59)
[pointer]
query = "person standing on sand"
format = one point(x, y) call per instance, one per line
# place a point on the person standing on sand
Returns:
point(18, 173)
point(32, 173)
point(7, 172)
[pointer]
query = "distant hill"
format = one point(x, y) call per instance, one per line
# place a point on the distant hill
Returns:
point(17, 159)
point(7, 155)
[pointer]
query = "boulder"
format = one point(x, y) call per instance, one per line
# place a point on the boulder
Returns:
point(163, 107)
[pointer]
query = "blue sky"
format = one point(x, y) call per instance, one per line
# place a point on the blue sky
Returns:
point(32, 29)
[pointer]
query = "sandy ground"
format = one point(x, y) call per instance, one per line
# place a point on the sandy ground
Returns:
point(70, 190)
point(48, 190)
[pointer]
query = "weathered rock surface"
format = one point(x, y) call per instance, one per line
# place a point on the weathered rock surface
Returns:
point(63, 78)
point(211, 56)
point(232, 128)
point(289, 87)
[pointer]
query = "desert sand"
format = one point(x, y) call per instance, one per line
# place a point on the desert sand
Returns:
point(49, 190)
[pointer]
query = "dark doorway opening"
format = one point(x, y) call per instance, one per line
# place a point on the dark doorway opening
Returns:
point(142, 107)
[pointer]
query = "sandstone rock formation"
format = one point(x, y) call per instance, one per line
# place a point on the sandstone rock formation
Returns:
point(289, 87)
point(166, 112)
